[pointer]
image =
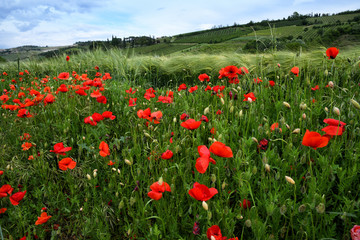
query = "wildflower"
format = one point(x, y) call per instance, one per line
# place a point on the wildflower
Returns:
point(167, 154)
point(104, 149)
point(355, 232)
point(315, 88)
point(202, 163)
point(257, 80)
point(335, 127)
point(295, 71)
point(101, 99)
point(275, 126)
point(130, 91)
point(157, 189)
point(60, 149)
point(17, 197)
point(314, 140)
point(204, 118)
point(263, 144)
point(49, 99)
point(191, 124)
point(245, 204)
point(196, 228)
point(26, 146)
point(250, 96)
point(2, 210)
point(204, 77)
point(182, 87)
point(289, 180)
point(221, 150)
point(64, 76)
point(67, 163)
point(272, 83)
point(332, 52)
point(214, 232)
point(108, 114)
point(132, 102)
point(201, 192)
point(22, 113)
point(230, 71)
point(242, 71)
point(192, 89)
point(5, 190)
point(42, 219)
point(184, 116)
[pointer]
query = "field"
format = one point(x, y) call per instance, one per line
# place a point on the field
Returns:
point(117, 146)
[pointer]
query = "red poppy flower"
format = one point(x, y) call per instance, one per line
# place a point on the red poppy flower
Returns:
point(182, 87)
point(335, 128)
point(144, 113)
point(191, 124)
point(81, 92)
point(17, 197)
point(295, 71)
point(64, 75)
point(275, 126)
point(108, 114)
point(104, 149)
point(184, 116)
point(130, 91)
point(5, 190)
point(314, 140)
point(218, 112)
point(111, 163)
point(196, 228)
point(157, 190)
point(1, 172)
point(315, 88)
point(272, 83)
point(62, 88)
point(24, 113)
point(96, 94)
point(42, 219)
point(2, 210)
point(167, 154)
point(4, 98)
point(250, 96)
point(156, 117)
point(26, 146)
point(230, 71)
point(67, 163)
point(332, 52)
point(132, 102)
point(67, 58)
point(221, 150)
point(215, 232)
point(207, 88)
point(202, 163)
point(257, 80)
point(192, 89)
point(204, 118)
point(355, 232)
point(97, 117)
point(263, 144)
point(243, 71)
point(201, 192)
point(60, 149)
point(49, 99)
point(101, 99)
point(204, 77)
point(245, 204)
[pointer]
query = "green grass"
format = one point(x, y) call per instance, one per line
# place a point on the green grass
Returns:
point(322, 204)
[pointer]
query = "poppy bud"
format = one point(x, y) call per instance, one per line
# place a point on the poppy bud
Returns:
point(303, 106)
point(132, 201)
point(326, 72)
point(320, 208)
point(161, 181)
point(206, 110)
point(336, 111)
point(88, 176)
point(303, 116)
point(326, 109)
point(8, 167)
point(83, 137)
point(231, 109)
point(94, 174)
point(174, 119)
point(205, 205)
point(147, 135)
point(222, 101)
point(331, 84)
point(128, 162)
point(255, 140)
point(248, 223)
point(286, 104)
point(241, 113)
point(287, 126)
point(296, 131)
point(267, 167)
point(289, 180)
point(355, 103)
point(223, 185)
point(121, 204)
point(114, 169)
point(81, 209)
point(213, 178)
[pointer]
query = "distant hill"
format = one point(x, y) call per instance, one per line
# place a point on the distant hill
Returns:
point(291, 33)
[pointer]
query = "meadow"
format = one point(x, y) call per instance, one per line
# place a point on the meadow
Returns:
point(107, 145)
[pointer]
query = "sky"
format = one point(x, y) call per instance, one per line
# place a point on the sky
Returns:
point(64, 22)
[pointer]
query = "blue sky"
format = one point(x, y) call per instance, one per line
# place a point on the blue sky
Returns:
point(64, 22)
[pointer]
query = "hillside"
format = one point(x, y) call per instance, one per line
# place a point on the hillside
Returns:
point(291, 33)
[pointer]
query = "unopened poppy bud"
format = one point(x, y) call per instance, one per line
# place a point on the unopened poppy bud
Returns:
point(220, 137)
point(210, 139)
point(88, 176)
point(255, 140)
point(121, 204)
point(287, 126)
point(239, 88)
point(94, 174)
point(161, 181)
point(326, 72)
point(223, 185)
point(205, 205)
point(174, 120)
point(132, 201)
point(206, 110)
point(231, 109)
point(209, 215)
point(128, 162)
point(320, 208)
point(8, 167)
point(286, 104)
point(222, 101)
point(248, 223)
point(267, 167)
point(355, 103)
point(147, 135)
point(303, 106)
point(336, 111)
point(289, 180)
point(326, 109)
point(83, 137)
point(235, 90)
point(331, 84)
point(241, 113)
point(129, 231)
point(117, 194)
point(303, 116)
point(114, 169)
point(81, 209)
point(296, 131)
point(213, 178)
